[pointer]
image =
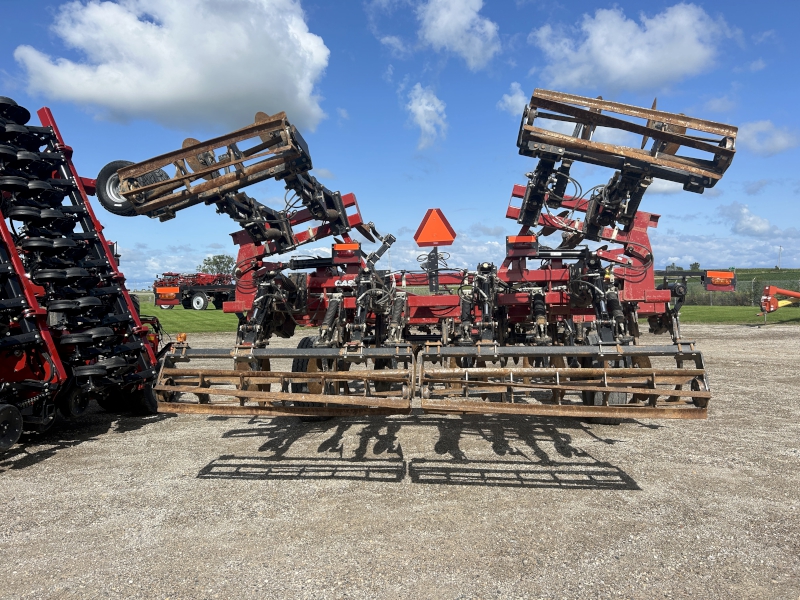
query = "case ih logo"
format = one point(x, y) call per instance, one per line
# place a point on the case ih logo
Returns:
point(345, 283)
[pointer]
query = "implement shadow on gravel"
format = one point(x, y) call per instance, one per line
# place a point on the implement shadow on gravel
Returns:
point(524, 452)
point(34, 448)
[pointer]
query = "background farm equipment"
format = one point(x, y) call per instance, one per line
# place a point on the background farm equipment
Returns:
point(558, 338)
point(193, 290)
point(69, 331)
point(770, 302)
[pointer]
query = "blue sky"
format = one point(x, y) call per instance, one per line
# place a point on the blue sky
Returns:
point(416, 104)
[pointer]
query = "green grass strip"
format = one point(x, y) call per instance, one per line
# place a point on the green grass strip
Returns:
point(180, 320)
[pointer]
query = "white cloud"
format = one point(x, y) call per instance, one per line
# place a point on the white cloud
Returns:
point(480, 229)
point(609, 135)
point(183, 62)
point(514, 101)
point(427, 112)
point(744, 222)
point(721, 252)
point(611, 50)
point(765, 36)
point(456, 26)
point(664, 187)
point(752, 66)
point(564, 127)
point(324, 173)
point(756, 65)
point(396, 45)
point(765, 139)
point(721, 104)
point(343, 114)
point(753, 188)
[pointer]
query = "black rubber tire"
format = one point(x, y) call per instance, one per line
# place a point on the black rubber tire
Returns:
point(13, 184)
point(72, 339)
point(107, 187)
point(199, 301)
point(74, 404)
point(144, 402)
point(217, 302)
point(100, 334)
point(166, 306)
point(300, 365)
point(186, 303)
point(596, 399)
point(24, 213)
point(63, 306)
point(89, 302)
point(10, 426)
point(13, 111)
point(111, 404)
point(382, 363)
point(137, 402)
point(49, 276)
point(95, 370)
point(8, 155)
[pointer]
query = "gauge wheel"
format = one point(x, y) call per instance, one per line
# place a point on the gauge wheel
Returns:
point(108, 189)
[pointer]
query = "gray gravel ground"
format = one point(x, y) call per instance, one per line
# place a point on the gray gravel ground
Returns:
point(430, 507)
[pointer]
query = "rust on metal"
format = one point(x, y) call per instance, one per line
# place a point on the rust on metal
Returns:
point(271, 411)
point(636, 111)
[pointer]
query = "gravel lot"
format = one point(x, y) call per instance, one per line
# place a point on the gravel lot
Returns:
point(430, 507)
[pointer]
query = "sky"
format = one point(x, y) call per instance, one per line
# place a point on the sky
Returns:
point(416, 104)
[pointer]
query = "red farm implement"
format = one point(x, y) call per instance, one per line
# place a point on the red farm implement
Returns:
point(193, 290)
point(551, 331)
point(69, 331)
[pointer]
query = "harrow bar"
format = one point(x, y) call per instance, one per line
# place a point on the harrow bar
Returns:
point(288, 396)
point(331, 389)
point(668, 130)
point(612, 380)
point(181, 353)
point(563, 410)
point(682, 351)
point(609, 381)
point(272, 411)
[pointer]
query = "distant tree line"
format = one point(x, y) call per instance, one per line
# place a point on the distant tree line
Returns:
point(221, 264)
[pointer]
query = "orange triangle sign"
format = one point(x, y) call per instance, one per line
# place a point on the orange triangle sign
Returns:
point(434, 230)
